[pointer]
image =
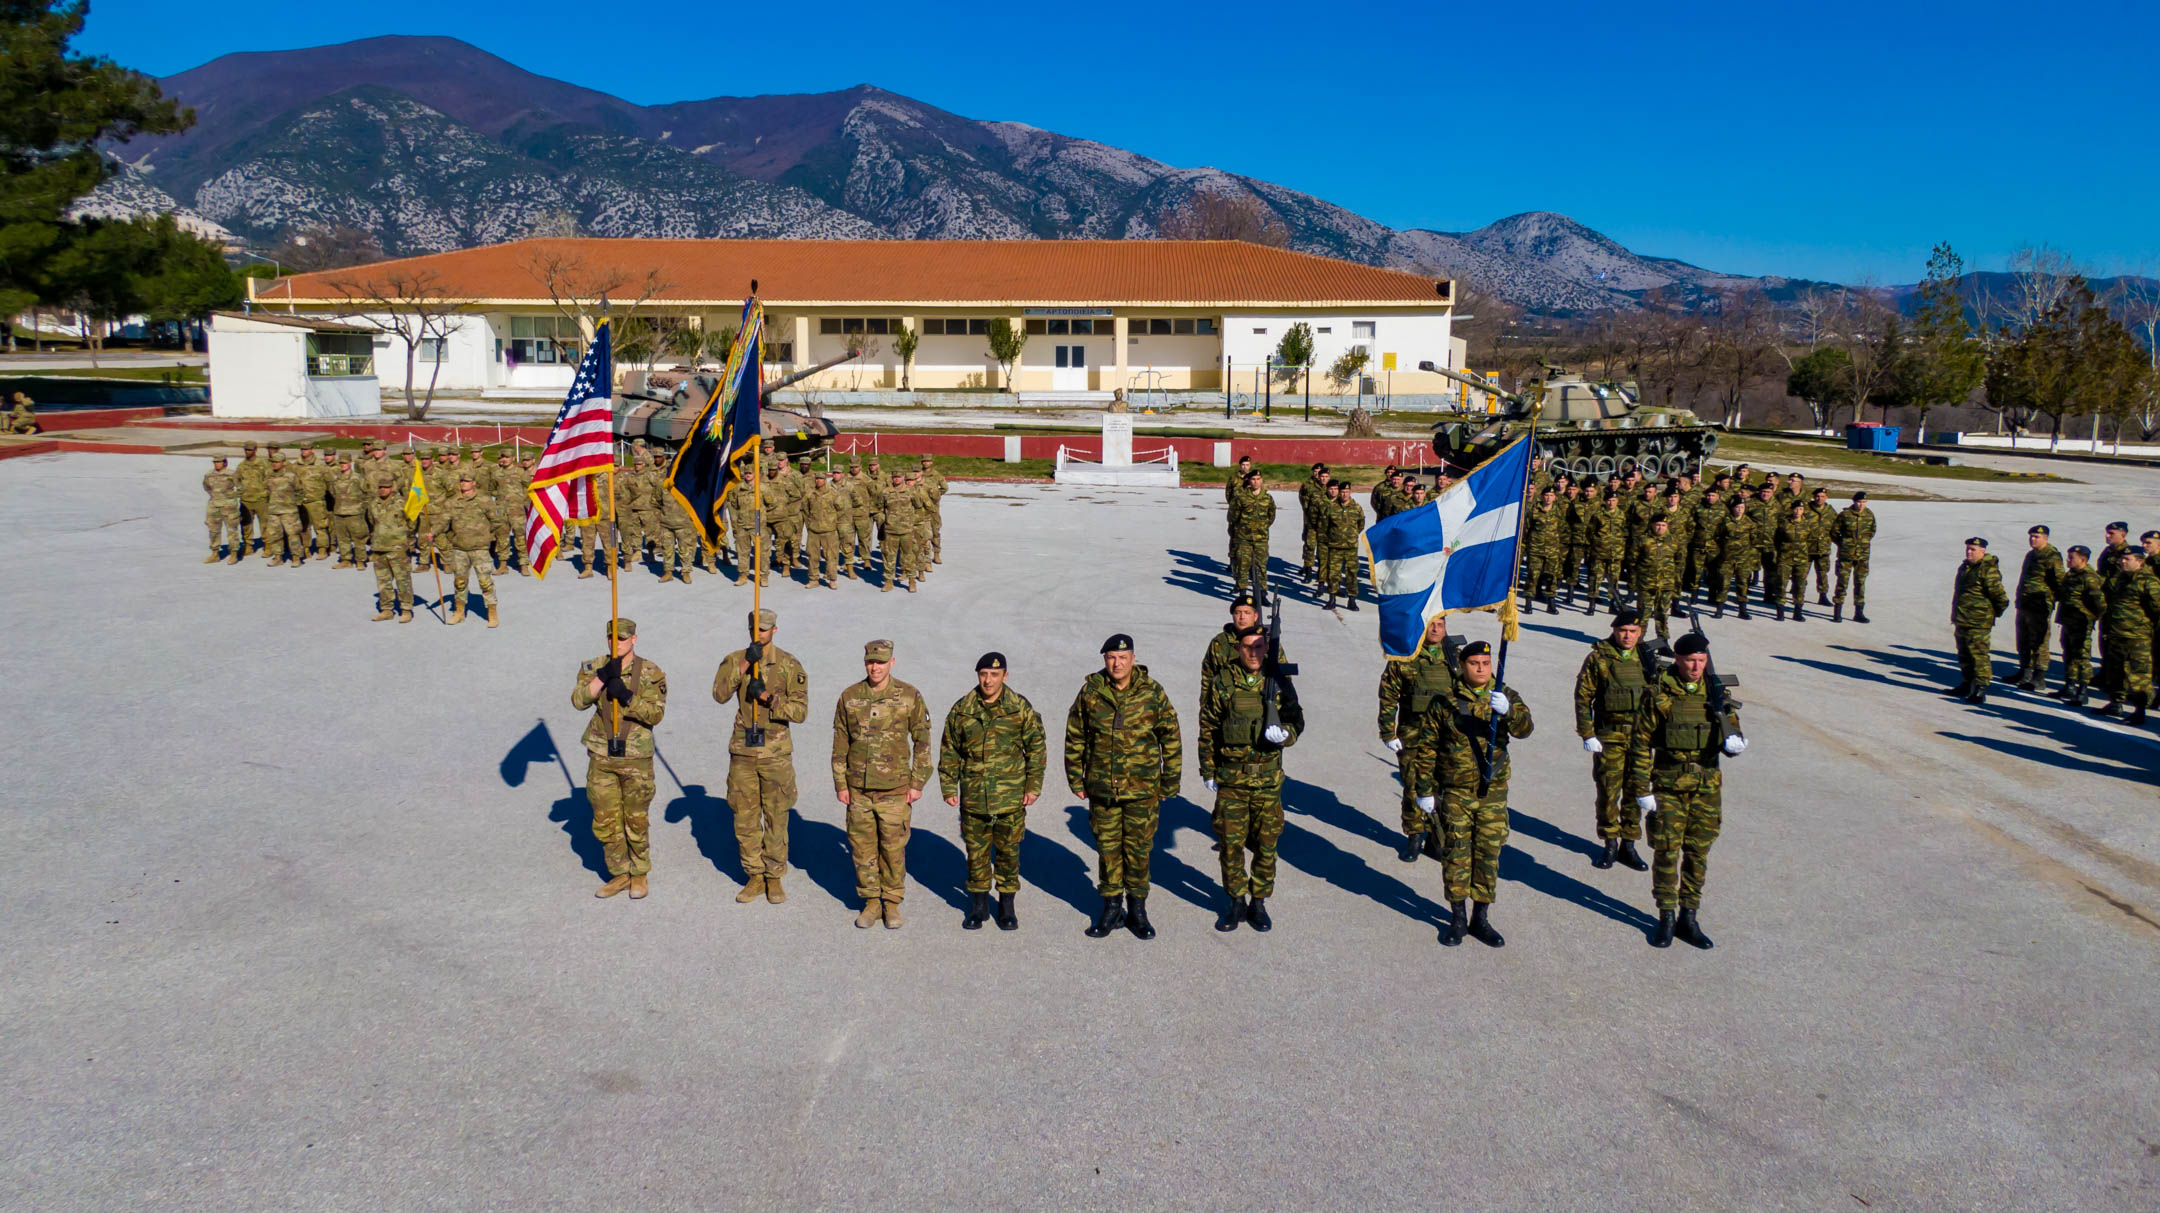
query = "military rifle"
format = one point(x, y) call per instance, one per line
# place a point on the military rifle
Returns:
point(1714, 684)
point(1276, 672)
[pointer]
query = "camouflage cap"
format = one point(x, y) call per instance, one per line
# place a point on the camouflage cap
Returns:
point(1120, 643)
point(852, 461)
point(763, 621)
point(877, 650)
point(1693, 642)
point(990, 661)
point(345, 458)
point(276, 455)
point(247, 446)
point(217, 458)
point(623, 628)
point(306, 447)
point(467, 478)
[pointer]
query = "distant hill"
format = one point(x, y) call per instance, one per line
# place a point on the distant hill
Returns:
point(430, 143)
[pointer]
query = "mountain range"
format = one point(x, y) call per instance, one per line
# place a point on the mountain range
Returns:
point(430, 143)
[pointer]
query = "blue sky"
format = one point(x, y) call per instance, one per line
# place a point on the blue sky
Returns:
point(1831, 140)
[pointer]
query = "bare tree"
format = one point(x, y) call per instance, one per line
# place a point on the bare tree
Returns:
point(1742, 343)
point(583, 289)
point(556, 224)
point(1209, 215)
point(2135, 297)
point(307, 250)
point(409, 304)
point(2041, 278)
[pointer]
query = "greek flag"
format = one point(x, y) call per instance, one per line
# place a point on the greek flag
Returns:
point(1457, 552)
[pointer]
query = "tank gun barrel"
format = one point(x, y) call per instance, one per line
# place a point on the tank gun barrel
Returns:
point(1518, 405)
point(806, 372)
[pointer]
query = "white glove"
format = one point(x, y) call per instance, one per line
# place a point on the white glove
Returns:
point(1736, 745)
point(1276, 734)
point(1424, 804)
point(1647, 804)
point(1499, 703)
point(1209, 784)
point(1592, 745)
point(1394, 745)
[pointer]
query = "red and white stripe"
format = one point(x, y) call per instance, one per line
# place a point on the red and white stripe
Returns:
point(565, 487)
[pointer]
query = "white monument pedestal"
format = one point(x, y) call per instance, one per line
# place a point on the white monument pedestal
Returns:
point(1116, 467)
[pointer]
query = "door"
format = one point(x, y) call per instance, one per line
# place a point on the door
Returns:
point(1070, 373)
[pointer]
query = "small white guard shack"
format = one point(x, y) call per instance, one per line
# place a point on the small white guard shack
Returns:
point(263, 365)
point(1116, 465)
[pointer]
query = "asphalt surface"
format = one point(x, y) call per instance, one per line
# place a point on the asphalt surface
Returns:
point(302, 914)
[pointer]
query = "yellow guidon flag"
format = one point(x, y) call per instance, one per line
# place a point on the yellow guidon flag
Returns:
point(415, 495)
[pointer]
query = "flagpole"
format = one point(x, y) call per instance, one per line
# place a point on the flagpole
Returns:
point(1522, 519)
point(757, 497)
point(613, 547)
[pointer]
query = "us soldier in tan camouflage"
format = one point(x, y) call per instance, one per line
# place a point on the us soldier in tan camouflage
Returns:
point(222, 513)
point(389, 541)
point(771, 692)
point(619, 754)
point(468, 527)
point(880, 761)
point(1240, 756)
point(1123, 754)
point(990, 765)
point(934, 492)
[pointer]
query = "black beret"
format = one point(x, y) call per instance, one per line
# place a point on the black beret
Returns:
point(2038, 528)
point(2079, 549)
point(1120, 643)
point(1693, 642)
point(1976, 540)
point(1627, 619)
point(1245, 599)
point(1476, 648)
point(2149, 535)
point(990, 661)
point(2119, 526)
point(1860, 496)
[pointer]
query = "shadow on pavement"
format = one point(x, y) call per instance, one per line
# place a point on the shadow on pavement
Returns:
point(1517, 867)
point(1310, 853)
point(935, 864)
point(1552, 835)
point(819, 850)
point(573, 812)
point(1165, 871)
point(1055, 870)
point(712, 827)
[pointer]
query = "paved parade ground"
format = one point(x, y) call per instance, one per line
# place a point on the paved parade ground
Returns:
point(302, 912)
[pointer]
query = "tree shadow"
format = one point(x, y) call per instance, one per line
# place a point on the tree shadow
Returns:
point(573, 812)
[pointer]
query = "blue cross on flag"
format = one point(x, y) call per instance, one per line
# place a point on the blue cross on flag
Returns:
point(1457, 552)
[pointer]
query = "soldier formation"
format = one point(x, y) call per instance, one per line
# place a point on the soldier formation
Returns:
point(2114, 597)
point(832, 525)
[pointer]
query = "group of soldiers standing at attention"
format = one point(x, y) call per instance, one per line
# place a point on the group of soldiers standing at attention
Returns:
point(1657, 736)
point(472, 526)
point(2114, 597)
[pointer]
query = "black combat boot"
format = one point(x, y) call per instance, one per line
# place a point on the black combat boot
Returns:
point(1821, 599)
point(1482, 930)
point(2113, 707)
point(1458, 922)
point(2137, 711)
point(1412, 844)
point(1351, 602)
point(1978, 697)
point(1662, 936)
point(978, 912)
point(1605, 857)
point(1798, 612)
point(1780, 612)
point(2076, 697)
point(1859, 613)
point(1328, 605)
point(1008, 919)
point(1136, 918)
point(1550, 609)
point(1961, 690)
point(1837, 613)
point(1590, 607)
point(1258, 915)
point(1720, 612)
point(1232, 915)
point(1691, 931)
point(1109, 919)
point(1628, 856)
point(1743, 610)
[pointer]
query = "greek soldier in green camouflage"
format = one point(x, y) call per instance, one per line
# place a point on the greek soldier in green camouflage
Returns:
point(2108, 562)
point(1657, 574)
point(1762, 511)
point(990, 765)
point(1977, 600)
point(1706, 516)
point(1122, 755)
point(222, 513)
point(1610, 689)
point(1474, 755)
point(1736, 554)
point(1339, 564)
point(349, 493)
point(1545, 543)
point(1822, 516)
point(880, 761)
point(1853, 533)
point(1579, 508)
point(1408, 690)
point(2080, 603)
point(1240, 756)
point(1606, 543)
point(2039, 581)
point(1640, 509)
point(2131, 618)
point(390, 541)
point(1787, 577)
point(1312, 499)
point(771, 692)
point(468, 527)
point(630, 694)
point(900, 527)
point(1252, 515)
point(1673, 772)
point(253, 475)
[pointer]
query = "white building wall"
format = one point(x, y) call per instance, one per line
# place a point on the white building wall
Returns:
point(257, 374)
point(469, 363)
point(1250, 337)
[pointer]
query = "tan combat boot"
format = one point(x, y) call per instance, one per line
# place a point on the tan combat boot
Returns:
point(385, 613)
point(637, 888)
point(870, 915)
point(212, 558)
point(584, 572)
point(457, 612)
point(494, 616)
point(892, 915)
point(404, 616)
point(773, 892)
point(751, 891)
point(233, 559)
point(612, 887)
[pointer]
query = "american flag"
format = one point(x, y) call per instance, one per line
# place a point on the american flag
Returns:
point(581, 446)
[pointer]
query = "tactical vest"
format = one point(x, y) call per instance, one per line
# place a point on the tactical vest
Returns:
point(1433, 680)
point(1690, 734)
point(1246, 716)
point(1625, 690)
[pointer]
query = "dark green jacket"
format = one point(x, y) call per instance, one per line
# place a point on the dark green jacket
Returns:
point(1122, 745)
point(992, 754)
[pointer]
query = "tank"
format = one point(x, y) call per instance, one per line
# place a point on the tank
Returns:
point(661, 407)
point(1591, 430)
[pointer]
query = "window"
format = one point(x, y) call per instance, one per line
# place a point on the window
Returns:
point(1060, 328)
point(779, 351)
point(1037, 328)
point(829, 325)
point(832, 326)
point(431, 349)
point(1324, 329)
point(1259, 332)
point(1158, 327)
point(977, 328)
point(544, 339)
point(340, 354)
point(1205, 326)
point(1362, 328)
point(1182, 328)
point(877, 324)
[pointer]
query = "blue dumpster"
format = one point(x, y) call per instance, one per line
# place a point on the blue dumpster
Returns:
point(1868, 436)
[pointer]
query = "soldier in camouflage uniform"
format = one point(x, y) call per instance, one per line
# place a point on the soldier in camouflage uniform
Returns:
point(2128, 623)
point(934, 491)
point(900, 526)
point(1657, 574)
point(743, 510)
point(468, 527)
point(1736, 555)
point(1762, 510)
point(2108, 562)
point(2039, 581)
point(222, 513)
point(1788, 572)
point(1640, 508)
point(1408, 689)
point(844, 485)
point(2081, 602)
point(253, 476)
point(1853, 533)
point(1606, 543)
point(1610, 689)
point(1241, 763)
point(635, 507)
point(1122, 755)
point(349, 493)
point(630, 695)
point(390, 541)
point(1312, 499)
point(679, 543)
point(511, 484)
point(1252, 515)
point(1545, 543)
point(1822, 516)
point(593, 538)
point(281, 516)
point(771, 692)
point(314, 479)
point(923, 509)
point(1705, 517)
point(1474, 755)
point(1339, 564)
point(441, 486)
point(880, 761)
point(1674, 753)
point(822, 512)
point(990, 765)
point(1977, 600)
point(1577, 506)
point(779, 521)
point(22, 416)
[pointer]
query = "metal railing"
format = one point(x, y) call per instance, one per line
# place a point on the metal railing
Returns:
point(341, 364)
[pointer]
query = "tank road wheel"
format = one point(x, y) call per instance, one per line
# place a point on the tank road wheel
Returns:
point(1603, 467)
